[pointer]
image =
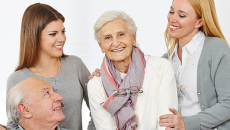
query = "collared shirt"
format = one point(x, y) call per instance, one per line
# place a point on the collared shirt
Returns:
point(18, 127)
point(186, 75)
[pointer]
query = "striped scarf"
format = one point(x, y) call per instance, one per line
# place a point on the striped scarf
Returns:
point(122, 94)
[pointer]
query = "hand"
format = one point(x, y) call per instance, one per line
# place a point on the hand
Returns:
point(95, 73)
point(172, 121)
point(2, 128)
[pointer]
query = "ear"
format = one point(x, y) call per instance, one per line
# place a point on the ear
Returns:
point(134, 39)
point(24, 110)
point(102, 49)
point(199, 23)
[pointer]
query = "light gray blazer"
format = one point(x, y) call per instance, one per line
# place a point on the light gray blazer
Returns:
point(213, 87)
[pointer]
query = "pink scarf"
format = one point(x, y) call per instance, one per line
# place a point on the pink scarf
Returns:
point(122, 94)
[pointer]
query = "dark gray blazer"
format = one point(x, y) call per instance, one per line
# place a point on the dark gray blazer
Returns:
point(213, 87)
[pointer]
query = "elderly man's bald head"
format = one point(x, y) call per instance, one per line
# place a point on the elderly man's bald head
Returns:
point(34, 98)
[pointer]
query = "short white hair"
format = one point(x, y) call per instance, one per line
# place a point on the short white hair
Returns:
point(110, 16)
point(14, 97)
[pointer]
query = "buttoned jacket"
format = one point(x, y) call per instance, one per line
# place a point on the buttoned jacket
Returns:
point(213, 87)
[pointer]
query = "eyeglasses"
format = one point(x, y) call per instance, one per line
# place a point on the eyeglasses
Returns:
point(124, 94)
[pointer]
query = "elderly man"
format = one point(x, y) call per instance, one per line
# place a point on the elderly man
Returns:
point(33, 105)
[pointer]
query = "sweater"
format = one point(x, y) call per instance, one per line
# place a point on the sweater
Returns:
point(70, 83)
point(213, 87)
point(159, 94)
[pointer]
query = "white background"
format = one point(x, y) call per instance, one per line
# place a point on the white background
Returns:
point(149, 15)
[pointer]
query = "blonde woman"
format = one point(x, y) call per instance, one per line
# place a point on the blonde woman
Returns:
point(201, 59)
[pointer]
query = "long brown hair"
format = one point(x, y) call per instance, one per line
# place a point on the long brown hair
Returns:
point(34, 20)
point(206, 10)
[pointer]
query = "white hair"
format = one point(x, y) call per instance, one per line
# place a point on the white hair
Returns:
point(14, 97)
point(110, 16)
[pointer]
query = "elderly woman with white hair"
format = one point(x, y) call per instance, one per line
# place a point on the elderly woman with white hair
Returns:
point(134, 89)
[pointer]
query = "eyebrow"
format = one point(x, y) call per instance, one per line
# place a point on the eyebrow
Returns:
point(44, 89)
point(179, 10)
point(56, 31)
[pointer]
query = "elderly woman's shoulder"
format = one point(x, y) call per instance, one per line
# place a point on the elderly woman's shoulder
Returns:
point(159, 63)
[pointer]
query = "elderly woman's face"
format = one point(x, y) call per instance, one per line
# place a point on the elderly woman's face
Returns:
point(117, 41)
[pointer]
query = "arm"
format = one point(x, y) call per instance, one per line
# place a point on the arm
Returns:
point(218, 114)
point(83, 75)
point(102, 119)
point(167, 97)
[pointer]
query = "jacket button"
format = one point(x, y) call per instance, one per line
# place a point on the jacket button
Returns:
point(202, 105)
point(198, 93)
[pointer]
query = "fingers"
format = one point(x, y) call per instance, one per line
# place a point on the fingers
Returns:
point(96, 74)
point(174, 111)
point(166, 116)
point(85, 85)
point(166, 125)
point(97, 70)
point(90, 77)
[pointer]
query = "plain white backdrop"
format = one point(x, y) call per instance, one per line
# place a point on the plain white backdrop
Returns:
point(150, 17)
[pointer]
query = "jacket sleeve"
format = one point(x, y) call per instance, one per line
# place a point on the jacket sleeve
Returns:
point(167, 97)
point(214, 75)
point(102, 119)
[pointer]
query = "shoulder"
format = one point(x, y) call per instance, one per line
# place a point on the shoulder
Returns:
point(215, 43)
point(15, 78)
point(72, 58)
point(94, 83)
point(159, 65)
point(165, 55)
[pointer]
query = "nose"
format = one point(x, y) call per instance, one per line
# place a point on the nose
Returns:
point(62, 38)
point(172, 18)
point(57, 97)
point(116, 42)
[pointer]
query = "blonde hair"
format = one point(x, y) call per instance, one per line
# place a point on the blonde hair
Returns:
point(206, 11)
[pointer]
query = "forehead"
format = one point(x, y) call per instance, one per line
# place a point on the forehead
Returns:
point(182, 5)
point(54, 25)
point(38, 87)
point(114, 26)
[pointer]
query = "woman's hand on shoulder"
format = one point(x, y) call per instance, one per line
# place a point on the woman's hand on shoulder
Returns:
point(95, 73)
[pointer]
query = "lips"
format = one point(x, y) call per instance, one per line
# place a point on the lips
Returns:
point(58, 46)
point(116, 50)
point(57, 108)
point(174, 27)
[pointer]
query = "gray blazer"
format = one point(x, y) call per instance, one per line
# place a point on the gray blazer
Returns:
point(213, 87)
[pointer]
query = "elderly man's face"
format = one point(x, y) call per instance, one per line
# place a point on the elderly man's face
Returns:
point(45, 103)
point(117, 41)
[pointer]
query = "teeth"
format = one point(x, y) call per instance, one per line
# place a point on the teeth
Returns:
point(174, 27)
point(58, 108)
point(118, 49)
point(58, 46)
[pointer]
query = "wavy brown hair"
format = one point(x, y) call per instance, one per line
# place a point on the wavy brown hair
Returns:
point(206, 10)
point(34, 20)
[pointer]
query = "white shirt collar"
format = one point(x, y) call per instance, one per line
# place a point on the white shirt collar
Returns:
point(192, 45)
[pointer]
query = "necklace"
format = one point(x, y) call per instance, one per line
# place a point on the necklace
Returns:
point(41, 73)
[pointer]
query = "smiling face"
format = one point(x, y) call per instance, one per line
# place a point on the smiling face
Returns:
point(183, 20)
point(45, 104)
point(117, 41)
point(53, 39)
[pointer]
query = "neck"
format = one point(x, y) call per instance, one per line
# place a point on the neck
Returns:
point(185, 40)
point(122, 66)
point(34, 125)
point(46, 67)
